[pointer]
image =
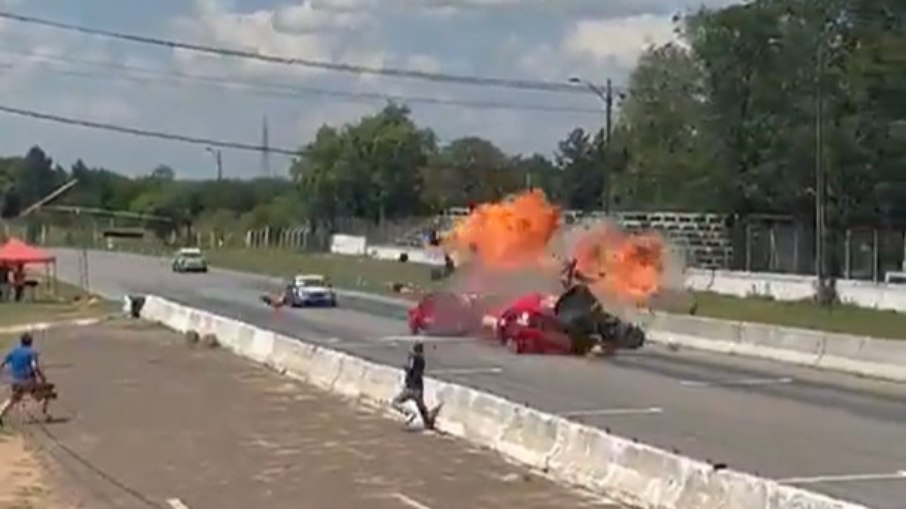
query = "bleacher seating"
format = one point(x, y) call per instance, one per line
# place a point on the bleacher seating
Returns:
point(704, 238)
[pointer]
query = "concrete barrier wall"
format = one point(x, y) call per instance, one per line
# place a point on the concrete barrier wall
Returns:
point(348, 244)
point(858, 355)
point(789, 287)
point(415, 255)
point(633, 473)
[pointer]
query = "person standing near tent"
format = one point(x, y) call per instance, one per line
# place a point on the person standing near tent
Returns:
point(19, 281)
point(4, 281)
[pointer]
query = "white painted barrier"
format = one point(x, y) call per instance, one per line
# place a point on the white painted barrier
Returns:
point(633, 473)
point(433, 257)
point(788, 287)
point(858, 355)
point(353, 245)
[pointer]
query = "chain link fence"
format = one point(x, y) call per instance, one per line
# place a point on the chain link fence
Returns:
point(783, 245)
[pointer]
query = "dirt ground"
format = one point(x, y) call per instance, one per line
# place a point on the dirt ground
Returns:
point(146, 421)
point(23, 480)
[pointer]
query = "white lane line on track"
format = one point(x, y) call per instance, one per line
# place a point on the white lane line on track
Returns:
point(176, 503)
point(612, 411)
point(409, 501)
point(467, 371)
point(366, 344)
point(425, 339)
point(892, 476)
point(740, 381)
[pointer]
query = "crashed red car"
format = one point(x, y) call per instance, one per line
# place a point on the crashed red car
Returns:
point(528, 324)
point(572, 323)
point(444, 313)
point(529, 328)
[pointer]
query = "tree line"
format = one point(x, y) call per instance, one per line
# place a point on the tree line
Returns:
point(738, 116)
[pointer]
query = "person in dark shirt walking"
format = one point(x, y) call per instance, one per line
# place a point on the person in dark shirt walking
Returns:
point(414, 389)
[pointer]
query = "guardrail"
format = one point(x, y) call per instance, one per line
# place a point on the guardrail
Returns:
point(573, 453)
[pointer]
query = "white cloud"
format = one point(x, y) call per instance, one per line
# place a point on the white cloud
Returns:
point(597, 47)
point(424, 63)
point(620, 40)
point(101, 108)
point(307, 30)
point(306, 17)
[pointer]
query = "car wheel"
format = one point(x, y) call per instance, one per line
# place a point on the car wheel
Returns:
point(504, 334)
point(514, 345)
point(500, 332)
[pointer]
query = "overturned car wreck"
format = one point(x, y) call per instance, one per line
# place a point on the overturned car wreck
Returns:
point(591, 328)
point(576, 323)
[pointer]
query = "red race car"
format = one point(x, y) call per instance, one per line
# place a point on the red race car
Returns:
point(572, 323)
point(534, 331)
point(444, 313)
point(529, 325)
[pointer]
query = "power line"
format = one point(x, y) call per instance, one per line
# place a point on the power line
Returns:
point(144, 132)
point(280, 90)
point(548, 86)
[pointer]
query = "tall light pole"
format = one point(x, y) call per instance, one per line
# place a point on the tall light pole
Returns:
point(606, 96)
point(826, 290)
point(218, 158)
point(820, 185)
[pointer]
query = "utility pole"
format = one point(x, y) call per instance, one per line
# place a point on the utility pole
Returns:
point(607, 97)
point(608, 195)
point(824, 291)
point(218, 159)
point(265, 145)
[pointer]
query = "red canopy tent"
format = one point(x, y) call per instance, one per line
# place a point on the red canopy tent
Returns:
point(15, 252)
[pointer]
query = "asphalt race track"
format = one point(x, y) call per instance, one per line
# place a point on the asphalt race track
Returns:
point(827, 432)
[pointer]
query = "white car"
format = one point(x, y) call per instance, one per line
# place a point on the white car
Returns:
point(310, 290)
point(189, 259)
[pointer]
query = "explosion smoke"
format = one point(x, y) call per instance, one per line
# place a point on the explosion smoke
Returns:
point(510, 235)
point(509, 248)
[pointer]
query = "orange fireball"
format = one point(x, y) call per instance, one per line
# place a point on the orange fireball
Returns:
point(516, 235)
point(624, 267)
point(512, 234)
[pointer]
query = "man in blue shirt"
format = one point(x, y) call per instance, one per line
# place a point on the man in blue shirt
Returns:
point(27, 377)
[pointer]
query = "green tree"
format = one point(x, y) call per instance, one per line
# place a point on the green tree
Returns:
point(537, 171)
point(370, 169)
point(325, 191)
point(660, 130)
point(579, 157)
point(469, 169)
point(36, 176)
point(391, 149)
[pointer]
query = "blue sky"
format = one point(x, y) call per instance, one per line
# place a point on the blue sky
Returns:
point(103, 80)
